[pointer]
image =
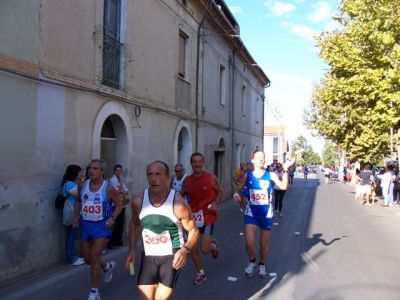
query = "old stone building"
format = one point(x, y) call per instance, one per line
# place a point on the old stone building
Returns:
point(127, 81)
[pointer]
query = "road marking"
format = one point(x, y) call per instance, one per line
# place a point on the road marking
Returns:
point(231, 278)
point(313, 265)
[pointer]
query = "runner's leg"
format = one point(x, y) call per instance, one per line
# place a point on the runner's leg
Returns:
point(146, 292)
point(264, 240)
point(163, 292)
point(97, 264)
point(250, 231)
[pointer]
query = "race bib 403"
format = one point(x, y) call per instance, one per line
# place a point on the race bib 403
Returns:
point(92, 212)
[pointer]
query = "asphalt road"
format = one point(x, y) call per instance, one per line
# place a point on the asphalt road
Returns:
point(326, 246)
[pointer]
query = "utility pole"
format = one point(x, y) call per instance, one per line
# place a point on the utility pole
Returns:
point(391, 135)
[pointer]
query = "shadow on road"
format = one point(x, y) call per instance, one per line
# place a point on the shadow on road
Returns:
point(290, 243)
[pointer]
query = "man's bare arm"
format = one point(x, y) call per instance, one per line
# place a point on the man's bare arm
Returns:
point(218, 189)
point(113, 195)
point(134, 228)
point(183, 212)
point(283, 184)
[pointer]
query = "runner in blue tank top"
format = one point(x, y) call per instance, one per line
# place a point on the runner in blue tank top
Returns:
point(259, 212)
point(93, 213)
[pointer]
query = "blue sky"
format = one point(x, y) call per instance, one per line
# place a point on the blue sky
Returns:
point(279, 36)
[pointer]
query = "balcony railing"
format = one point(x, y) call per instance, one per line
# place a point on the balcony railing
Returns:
point(111, 62)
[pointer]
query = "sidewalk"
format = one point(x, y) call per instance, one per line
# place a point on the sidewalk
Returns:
point(55, 277)
point(15, 289)
point(376, 207)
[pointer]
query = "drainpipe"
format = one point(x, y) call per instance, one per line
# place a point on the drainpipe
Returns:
point(232, 118)
point(198, 73)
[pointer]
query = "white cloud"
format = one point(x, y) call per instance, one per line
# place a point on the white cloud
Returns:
point(279, 8)
point(236, 9)
point(322, 11)
point(284, 24)
point(303, 31)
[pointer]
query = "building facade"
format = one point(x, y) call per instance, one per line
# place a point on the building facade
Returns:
point(96, 79)
point(276, 147)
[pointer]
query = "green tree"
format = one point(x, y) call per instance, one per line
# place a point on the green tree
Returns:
point(358, 100)
point(307, 155)
point(330, 154)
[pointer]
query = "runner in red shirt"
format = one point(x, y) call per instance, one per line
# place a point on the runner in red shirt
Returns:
point(204, 194)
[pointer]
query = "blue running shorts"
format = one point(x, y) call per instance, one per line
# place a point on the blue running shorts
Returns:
point(260, 220)
point(94, 230)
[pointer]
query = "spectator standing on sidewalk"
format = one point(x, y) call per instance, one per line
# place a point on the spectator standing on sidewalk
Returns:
point(73, 177)
point(372, 183)
point(387, 186)
point(357, 179)
point(365, 176)
point(117, 181)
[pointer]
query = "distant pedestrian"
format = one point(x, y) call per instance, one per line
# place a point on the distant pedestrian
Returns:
point(305, 171)
point(372, 183)
point(358, 180)
point(365, 176)
point(387, 186)
point(279, 193)
point(327, 174)
point(292, 170)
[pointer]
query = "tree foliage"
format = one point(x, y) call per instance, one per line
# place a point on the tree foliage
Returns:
point(308, 156)
point(351, 106)
point(330, 154)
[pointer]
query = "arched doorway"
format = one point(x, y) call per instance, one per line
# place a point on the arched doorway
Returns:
point(183, 145)
point(113, 143)
point(112, 126)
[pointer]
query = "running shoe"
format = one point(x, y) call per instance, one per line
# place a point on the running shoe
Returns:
point(199, 278)
point(249, 270)
point(94, 296)
point(261, 271)
point(215, 250)
point(108, 271)
point(78, 262)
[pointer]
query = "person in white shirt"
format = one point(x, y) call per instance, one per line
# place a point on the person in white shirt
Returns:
point(117, 181)
point(178, 178)
point(387, 186)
